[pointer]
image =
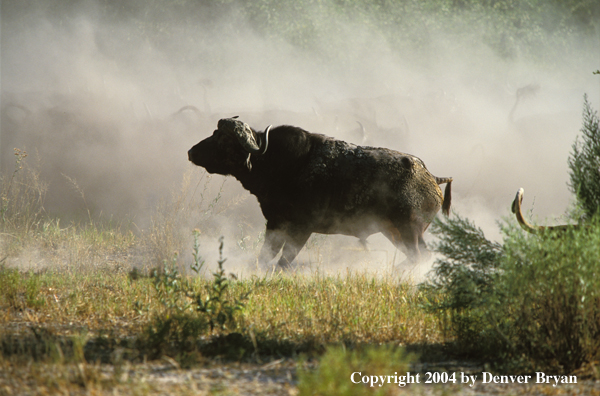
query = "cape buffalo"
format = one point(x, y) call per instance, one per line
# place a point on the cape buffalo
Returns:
point(307, 182)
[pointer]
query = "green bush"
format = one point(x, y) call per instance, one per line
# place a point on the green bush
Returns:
point(547, 301)
point(531, 303)
point(462, 282)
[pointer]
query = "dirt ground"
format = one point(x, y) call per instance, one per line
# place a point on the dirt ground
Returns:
point(277, 377)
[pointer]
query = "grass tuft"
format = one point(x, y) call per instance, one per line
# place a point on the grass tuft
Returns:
point(336, 367)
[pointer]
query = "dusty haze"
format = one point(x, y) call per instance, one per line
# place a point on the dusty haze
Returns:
point(93, 91)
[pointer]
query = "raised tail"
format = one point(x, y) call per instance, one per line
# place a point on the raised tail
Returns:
point(447, 193)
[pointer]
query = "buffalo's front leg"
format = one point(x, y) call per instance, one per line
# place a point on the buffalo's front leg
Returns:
point(274, 240)
point(294, 242)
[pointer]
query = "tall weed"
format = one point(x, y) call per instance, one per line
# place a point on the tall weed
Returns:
point(22, 197)
point(188, 207)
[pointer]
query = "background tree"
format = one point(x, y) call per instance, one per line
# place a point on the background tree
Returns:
point(584, 163)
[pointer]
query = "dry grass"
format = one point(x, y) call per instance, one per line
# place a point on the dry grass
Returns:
point(351, 308)
point(84, 325)
point(346, 309)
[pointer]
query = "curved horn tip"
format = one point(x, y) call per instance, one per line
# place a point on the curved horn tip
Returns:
point(518, 200)
point(520, 194)
point(264, 140)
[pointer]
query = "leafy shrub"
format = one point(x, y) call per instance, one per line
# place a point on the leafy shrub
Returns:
point(548, 297)
point(532, 303)
point(462, 282)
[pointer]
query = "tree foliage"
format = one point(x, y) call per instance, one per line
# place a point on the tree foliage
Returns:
point(584, 163)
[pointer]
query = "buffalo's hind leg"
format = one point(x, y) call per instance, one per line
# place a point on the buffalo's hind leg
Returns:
point(409, 240)
point(412, 236)
point(425, 252)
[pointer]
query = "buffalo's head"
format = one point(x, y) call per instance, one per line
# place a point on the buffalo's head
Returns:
point(230, 147)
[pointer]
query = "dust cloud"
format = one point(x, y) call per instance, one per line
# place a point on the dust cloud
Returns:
point(109, 96)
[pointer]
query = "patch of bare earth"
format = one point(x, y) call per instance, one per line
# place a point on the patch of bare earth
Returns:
point(277, 377)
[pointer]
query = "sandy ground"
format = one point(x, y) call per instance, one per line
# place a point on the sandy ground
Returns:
point(277, 377)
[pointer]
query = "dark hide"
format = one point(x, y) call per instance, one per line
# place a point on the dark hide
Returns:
point(308, 182)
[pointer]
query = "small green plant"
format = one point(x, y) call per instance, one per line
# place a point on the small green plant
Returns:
point(198, 265)
point(187, 313)
point(32, 291)
point(170, 287)
point(19, 291)
point(337, 371)
point(10, 282)
point(220, 311)
point(175, 329)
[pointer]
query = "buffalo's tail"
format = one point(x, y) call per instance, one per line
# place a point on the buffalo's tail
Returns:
point(447, 193)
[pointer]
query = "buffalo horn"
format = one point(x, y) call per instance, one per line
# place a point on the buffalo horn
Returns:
point(264, 140)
